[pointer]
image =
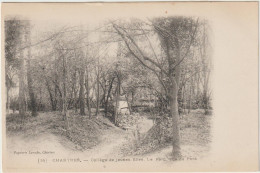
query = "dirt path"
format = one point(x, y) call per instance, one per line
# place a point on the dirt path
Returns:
point(111, 141)
point(114, 138)
point(109, 146)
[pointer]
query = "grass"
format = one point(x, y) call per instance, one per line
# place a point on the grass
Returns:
point(84, 133)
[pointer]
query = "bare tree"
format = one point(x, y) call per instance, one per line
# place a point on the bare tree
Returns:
point(81, 91)
point(12, 44)
point(33, 105)
point(176, 36)
point(98, 94)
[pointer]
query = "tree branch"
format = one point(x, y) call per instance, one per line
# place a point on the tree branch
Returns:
point(145, 65)
point(141, 52)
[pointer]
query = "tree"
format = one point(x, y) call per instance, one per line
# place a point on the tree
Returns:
point(98, 92)
point(12, 44)
point(87, 91)
point(205, 58)
point(21, 76)
point(176, 35)
point(81, 91)
point(33, 105)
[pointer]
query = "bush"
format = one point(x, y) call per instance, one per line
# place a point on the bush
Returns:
point(125, 121)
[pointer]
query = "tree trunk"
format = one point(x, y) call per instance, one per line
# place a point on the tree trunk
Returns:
point(174, 76)
point(88, 96)
point(29, 77)
point(30, 89)
point(128, 104)
point(184, 100)
point(190, 100)
point(53, 106)
point(7, 100)
point(97, 108)
point(116, 104)
point(103, 98)
point(108, 94)
point(21, 86)
point(26, 103)
point(64, 99)
point(81, 91)
point(21, 90)
point(75, 91)
point(175, 118)
point(133, 98)
point(56, 88)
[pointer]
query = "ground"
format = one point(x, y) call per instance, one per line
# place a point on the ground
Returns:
point(99, 138)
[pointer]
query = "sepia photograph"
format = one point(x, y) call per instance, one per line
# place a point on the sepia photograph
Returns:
point(93, 90)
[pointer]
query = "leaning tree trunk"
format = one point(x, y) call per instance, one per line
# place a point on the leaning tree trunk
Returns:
point(108, 94)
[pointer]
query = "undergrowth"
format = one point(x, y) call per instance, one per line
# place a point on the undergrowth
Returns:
point(85, 133)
